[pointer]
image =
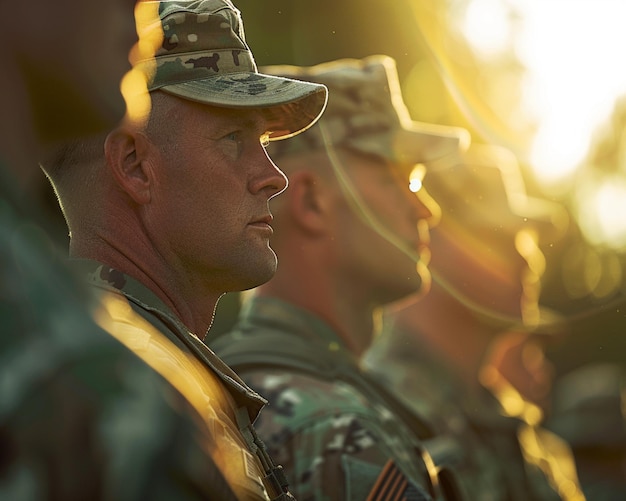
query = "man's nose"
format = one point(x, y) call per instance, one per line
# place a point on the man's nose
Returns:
point(271, 179)
point(426, 208)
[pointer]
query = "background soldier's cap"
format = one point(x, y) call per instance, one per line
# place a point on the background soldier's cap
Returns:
point(485, 190)
point(366, 113)
point(203, 56)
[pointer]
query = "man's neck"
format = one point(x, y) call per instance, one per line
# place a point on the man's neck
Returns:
point(346, 312)
point(193, 306)
point(451, 331)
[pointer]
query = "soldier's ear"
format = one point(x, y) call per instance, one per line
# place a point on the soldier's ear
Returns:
point(309, 201)
point(129, 156)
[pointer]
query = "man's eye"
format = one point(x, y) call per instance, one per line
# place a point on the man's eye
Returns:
point(233, 136)
point(233, 143)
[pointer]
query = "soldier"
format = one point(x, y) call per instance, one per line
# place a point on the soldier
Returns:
point(169, 213)
point(350, 237)
point(81, 417)
point(481, 314)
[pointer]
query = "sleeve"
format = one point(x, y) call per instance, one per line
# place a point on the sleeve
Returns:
point(341, 457)
point(81, 417)
point(334, 448)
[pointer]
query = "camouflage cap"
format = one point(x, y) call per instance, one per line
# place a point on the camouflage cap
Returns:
point(486, 189)
point(366, 113)
point(204, 57)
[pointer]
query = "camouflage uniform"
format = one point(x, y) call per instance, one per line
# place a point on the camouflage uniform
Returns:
point(204, 57)
point(81, 417)
point(222, 399)
point(161, 348)
point(336, 431)
point(331, 427)
point(491, 464)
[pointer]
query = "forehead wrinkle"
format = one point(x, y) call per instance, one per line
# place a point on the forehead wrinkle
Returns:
point(227, 118)
point(168, 108)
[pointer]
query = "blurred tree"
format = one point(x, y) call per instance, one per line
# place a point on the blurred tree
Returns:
point(588, 286)
point(586, 279)
point(444, 79)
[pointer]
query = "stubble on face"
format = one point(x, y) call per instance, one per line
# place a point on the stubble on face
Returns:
point(214, 225)
point(381, 230)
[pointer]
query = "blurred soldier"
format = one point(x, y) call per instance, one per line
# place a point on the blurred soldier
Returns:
point(169, 213)
point(350, 235)
point(81, 417)
point(480, 325)
point(589, 393)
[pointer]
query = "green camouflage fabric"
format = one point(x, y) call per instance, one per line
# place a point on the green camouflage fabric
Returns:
point(204, 57)
point(332, 429)
point(588, 412)
point(491, 465)
point(366, 113)
point(229, 406)
point(81, 417)
point(202, 39)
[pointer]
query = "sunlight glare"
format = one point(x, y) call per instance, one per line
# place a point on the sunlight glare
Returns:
point(606, 225)
point(552, 160)
point(572, 50)
point(415, 185)
point(134, 86)
point(486, 25)
point(417, 177)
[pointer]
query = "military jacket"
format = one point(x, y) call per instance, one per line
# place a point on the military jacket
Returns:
point(81, 416)
point(329, 425)
point(492, 464)
point(220, 397)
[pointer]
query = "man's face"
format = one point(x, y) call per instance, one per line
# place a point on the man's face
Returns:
point(210, 213)
point(385, 240)
point(484, 266)
point(75, 54)
point(479, 261)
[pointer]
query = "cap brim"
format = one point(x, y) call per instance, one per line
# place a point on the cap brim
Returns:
point(549, 218)
point(432, 144)
point(290, 106)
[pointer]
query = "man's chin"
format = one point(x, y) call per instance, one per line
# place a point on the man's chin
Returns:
point(419, 285)
point(425, 279)
point(413, 288)
point(260, 275)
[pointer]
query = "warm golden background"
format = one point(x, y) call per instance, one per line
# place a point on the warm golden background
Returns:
point(542, 78)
